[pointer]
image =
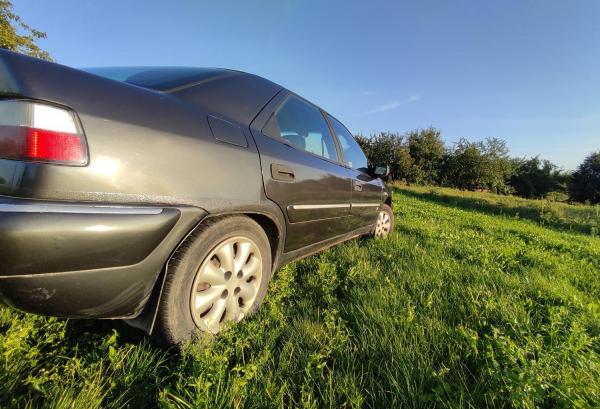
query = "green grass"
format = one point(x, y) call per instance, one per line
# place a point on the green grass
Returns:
point(464, 306)
point(577, 217)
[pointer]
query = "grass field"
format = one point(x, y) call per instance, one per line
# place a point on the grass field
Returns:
point(470, 303)
point(578, 218)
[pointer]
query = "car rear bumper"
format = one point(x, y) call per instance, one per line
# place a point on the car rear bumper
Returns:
point(83, 260)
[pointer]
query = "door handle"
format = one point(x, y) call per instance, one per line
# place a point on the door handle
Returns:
point(282, 172)
point(358, 186)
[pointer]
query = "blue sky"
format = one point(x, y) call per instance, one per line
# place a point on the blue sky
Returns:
point(524, 71)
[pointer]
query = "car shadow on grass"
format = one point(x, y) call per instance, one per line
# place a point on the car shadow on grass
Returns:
point(89, 332)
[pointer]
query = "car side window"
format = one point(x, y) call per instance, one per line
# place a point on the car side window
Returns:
point(303, 126)
point(353, 154)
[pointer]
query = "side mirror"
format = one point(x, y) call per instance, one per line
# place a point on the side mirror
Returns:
point(381, 171)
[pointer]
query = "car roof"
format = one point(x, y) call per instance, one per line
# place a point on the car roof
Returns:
point(234, 94)
point(165, 79)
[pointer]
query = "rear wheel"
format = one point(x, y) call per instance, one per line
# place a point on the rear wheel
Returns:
point(220, 275)
point(385, 222)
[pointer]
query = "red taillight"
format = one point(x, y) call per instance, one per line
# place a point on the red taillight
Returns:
point(42, 133)
point(54, 146)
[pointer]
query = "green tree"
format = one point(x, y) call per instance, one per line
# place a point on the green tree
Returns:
point(463, 166)
point(498, 166)
point(17, 36)
point(478, 165)
point(388, 148)
point(585, 183)
point(426, 148)
point(534, 178)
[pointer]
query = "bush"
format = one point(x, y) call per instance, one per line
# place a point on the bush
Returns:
point(478, 166)
point(536, 178)
point(426, 148)
point(585, 184)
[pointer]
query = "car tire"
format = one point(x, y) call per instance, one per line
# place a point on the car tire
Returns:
point(384, 225)
point(203, 263)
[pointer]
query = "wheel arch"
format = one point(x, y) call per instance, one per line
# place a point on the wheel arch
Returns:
point(272, 224)
point(274, 234)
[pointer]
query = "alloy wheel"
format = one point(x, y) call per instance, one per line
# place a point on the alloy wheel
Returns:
point(383, 224)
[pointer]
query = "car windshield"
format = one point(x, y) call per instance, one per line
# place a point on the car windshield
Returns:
point(159, 78)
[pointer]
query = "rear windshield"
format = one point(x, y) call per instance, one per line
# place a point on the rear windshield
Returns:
point(159, 78)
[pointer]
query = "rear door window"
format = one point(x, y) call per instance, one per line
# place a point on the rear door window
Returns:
point(303, 126)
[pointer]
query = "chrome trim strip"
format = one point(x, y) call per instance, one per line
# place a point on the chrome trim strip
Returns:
point(78, 209)
point(323, 206)
point(366, 204)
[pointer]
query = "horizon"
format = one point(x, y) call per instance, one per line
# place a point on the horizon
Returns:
point(515, 71)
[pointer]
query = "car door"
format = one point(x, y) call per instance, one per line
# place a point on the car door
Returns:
point(301, 170)
point(366, 189)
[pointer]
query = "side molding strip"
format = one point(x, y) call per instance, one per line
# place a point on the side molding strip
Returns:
point(366, 204)
point(323, 206)
point(80, 209)
point(333, 206)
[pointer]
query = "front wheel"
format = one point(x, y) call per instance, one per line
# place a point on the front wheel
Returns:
point(385, 222)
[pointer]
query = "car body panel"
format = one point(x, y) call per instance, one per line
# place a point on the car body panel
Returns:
point(366, 197)
point(145, 146)
point(77, 287)
point(366, 189)
point(316, 201)
point(325, 198)
point(320, 213)
point(45, 238)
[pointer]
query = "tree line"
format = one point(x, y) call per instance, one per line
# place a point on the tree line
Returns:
point(421, 157)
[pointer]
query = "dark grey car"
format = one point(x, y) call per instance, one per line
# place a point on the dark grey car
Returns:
point(167, 196)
